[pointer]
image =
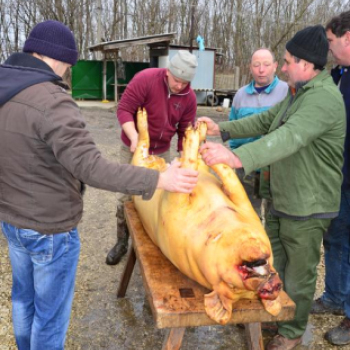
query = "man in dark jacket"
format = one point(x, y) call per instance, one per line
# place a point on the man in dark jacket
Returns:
point(336, 242)
point(171, 107)
point(46, 156)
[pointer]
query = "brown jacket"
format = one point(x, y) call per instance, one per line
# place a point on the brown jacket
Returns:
point(46, 154)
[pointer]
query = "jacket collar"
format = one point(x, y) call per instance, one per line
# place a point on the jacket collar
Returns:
point(317, 81)
point(250, 89)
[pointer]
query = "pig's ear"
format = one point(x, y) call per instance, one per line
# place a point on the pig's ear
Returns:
point(218, 308)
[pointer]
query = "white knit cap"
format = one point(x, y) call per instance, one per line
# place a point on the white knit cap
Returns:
point(183, 65)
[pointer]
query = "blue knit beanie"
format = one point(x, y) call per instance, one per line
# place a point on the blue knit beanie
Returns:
point(52, 39)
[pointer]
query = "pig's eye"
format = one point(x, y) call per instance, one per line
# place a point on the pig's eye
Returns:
point(256, 263)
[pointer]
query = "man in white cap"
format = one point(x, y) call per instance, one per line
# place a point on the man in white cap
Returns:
point(171, 106)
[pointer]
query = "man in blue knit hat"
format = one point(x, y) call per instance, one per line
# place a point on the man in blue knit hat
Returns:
point(46, 156)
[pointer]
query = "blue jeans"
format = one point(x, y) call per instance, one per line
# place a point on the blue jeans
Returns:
point(43, 272)
point(337, 258)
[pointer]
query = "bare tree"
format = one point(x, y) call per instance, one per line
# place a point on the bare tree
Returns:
point(235, 27)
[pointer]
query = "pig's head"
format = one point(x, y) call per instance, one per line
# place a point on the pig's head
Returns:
point(256, 270)
point(243, 264)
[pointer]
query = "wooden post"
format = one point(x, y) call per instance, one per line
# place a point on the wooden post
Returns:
point(104, 80)
point(173, 338)
point(253, 336)
point(116, 79)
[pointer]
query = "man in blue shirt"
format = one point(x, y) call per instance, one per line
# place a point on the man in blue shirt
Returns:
point(263, 92)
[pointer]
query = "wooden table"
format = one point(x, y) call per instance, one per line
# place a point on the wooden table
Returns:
point(177, 301)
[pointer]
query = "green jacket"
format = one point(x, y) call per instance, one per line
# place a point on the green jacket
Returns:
point(303, 146)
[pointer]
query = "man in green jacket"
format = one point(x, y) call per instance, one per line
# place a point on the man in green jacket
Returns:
point(303, 144)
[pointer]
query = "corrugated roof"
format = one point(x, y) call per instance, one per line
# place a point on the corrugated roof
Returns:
point(187, 47)
point(144, 40)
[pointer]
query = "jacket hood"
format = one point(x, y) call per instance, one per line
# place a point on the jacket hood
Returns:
point(20, 71)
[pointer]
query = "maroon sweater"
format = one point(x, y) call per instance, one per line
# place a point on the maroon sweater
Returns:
point(167, 113)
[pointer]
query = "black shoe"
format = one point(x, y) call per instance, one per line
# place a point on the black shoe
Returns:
point(339, 335)
point(319, 307)
point(116, 253)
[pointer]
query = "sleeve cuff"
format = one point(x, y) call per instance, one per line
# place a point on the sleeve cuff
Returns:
point(246, 159)
point(225, 135)
point(151, 185)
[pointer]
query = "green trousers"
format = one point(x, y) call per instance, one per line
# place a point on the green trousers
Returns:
point(296, 247)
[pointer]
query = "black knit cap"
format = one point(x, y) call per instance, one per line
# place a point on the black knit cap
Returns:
point(310, 44)
point(52, 39)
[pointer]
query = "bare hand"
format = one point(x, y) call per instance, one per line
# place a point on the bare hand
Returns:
point(216, 153)
point(132, 134)
point(175, 179)
point(133, 144)
point(212, 128)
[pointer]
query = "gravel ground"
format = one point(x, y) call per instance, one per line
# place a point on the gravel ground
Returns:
point(101, 321)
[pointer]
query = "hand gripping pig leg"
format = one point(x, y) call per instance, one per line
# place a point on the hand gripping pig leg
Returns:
point(141, 156)
point(189, 160)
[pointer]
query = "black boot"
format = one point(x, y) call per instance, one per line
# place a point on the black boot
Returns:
point(339, 335)
point(119, 250)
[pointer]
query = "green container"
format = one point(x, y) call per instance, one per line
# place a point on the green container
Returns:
point(87, 79)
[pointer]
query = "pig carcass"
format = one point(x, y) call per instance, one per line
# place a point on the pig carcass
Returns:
point(212, 235)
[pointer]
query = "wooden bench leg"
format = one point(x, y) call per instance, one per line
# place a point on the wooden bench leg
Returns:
point(173, 338)
point(254, 336)
point(129, 267)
